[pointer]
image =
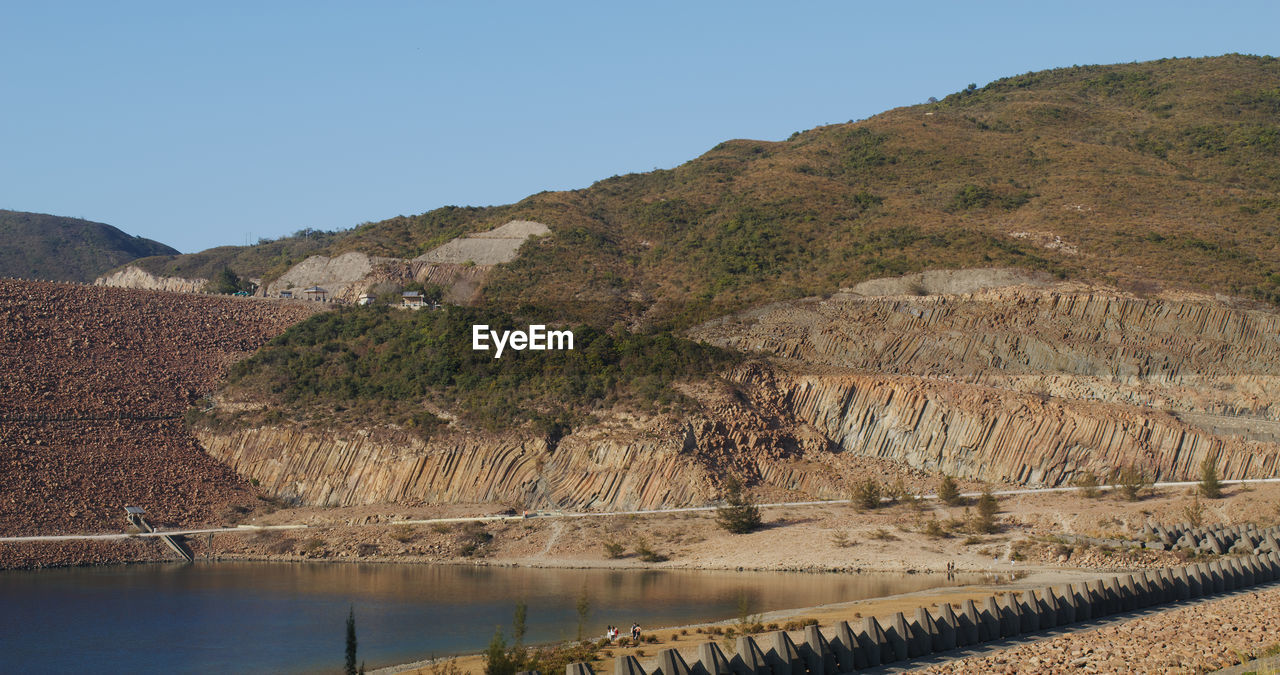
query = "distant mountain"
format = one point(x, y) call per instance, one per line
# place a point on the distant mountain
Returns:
point(41, 246)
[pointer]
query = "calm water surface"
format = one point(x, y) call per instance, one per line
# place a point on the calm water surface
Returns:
point(290, 618)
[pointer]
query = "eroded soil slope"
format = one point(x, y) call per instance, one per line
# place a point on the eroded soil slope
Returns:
point(93, 386)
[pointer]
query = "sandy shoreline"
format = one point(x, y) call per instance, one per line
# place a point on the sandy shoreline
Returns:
point(825, 614)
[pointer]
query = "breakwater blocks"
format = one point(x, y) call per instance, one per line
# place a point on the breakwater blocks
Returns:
point(845, 649)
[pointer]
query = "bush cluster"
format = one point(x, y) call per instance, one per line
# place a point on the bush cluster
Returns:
point(379, 354)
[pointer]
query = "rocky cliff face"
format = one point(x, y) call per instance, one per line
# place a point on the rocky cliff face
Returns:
point(619, 464)
point(1027, 383)
point(134, 277)
point(985, 433)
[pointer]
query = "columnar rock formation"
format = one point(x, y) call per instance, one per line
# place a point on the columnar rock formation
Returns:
point(991, 434)
point(1027, 384)
point(616, 465)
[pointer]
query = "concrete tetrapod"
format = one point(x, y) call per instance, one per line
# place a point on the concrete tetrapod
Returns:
point(874, 641)
point(1195, 581)
point(1115, 597)
point(849, 653)
point(947, 627)
point(627, 665)
point(927, 637)
point(817, 653)
point(783, 655)
point(968, 630)
point(1029, 609)
point(1080, 599)
point(1066, 600)
point(749, 660)
point(669, 663)
point(990, 618)
point(712, 661)
point(1010, 616)
point(1217, 577)
point(1048, 604)
point(899, 637)
point(1098, 597)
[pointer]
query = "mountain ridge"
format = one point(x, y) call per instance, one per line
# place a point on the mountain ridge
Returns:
point(58, 248)
point(1140, 176)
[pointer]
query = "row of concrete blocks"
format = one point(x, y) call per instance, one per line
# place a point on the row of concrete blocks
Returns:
point(1212, 542)
point(946, 628)
point(1218, 540)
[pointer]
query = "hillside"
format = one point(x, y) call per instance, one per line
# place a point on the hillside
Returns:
point(40, 246)
point(1140, 176)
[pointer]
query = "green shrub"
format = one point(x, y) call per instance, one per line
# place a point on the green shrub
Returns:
point(738, 515)
point(867, 495)
point(1210, 486)
point(390, 360)
point(949, 492)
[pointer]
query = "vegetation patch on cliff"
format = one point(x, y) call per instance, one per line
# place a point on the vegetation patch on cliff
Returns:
point(402, 365)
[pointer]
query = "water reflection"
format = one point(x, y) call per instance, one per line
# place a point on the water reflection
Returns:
point(275, 617)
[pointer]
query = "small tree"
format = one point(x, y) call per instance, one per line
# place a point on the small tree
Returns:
point(519, 623)
point(866, 495)
point(226, 282)
point(584, 611)
point(613, 549)
point(1210, 486)
point(1132, 482)
point(988, 507)
point(496, 659)
point(351, 642)
point(739, 515)
point(949, 492)
point(1194, 512)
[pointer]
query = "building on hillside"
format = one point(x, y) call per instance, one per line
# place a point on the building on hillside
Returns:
point(286, 295)
point(365, 299)
point(412, 299)
point(316, 293)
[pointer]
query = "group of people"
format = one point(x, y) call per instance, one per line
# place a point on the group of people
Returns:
point(611, 633)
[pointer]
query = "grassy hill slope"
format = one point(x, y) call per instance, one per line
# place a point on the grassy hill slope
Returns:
point(1140, 175)
point(40, 246)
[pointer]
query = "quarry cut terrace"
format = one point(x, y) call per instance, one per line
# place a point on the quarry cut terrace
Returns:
point(536, 338)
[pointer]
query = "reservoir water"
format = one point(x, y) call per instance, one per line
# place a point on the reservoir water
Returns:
point(290, 618)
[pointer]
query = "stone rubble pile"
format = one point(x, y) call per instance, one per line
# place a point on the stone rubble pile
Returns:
point(94, 382)
point(1195, 639)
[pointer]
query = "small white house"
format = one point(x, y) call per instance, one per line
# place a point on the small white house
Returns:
point(365, 299)
point(412, 299)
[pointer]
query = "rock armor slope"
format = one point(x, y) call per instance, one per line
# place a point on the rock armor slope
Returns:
point(94, 382)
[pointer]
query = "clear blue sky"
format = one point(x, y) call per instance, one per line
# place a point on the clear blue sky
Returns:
point(206, 123)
